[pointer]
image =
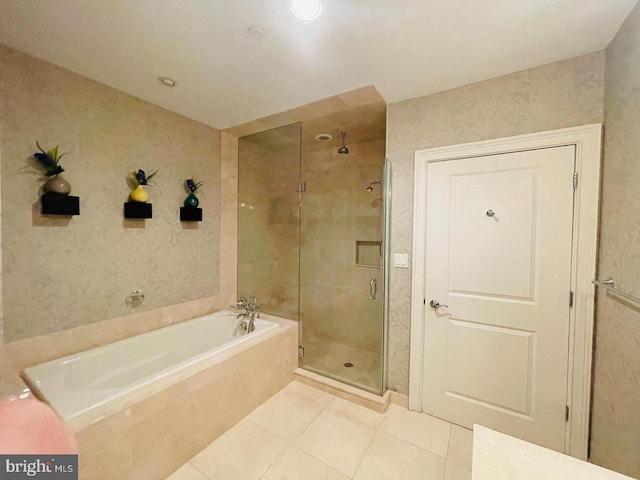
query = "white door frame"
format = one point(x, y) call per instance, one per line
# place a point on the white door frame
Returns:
point(587, 140)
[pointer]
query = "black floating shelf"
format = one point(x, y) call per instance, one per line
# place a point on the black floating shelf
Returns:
point(57, 204)
point(137, 210)
point(190, 214)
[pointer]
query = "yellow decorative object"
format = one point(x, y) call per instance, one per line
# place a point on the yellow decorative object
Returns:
point(139, 194)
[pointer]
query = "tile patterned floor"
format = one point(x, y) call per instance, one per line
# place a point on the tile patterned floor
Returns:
point(305, 434)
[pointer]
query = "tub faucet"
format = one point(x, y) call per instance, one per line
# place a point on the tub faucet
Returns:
point(249, 310)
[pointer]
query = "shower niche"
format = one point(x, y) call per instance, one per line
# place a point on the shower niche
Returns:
point(368, 253)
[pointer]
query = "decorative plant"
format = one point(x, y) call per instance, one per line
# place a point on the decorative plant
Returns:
point(193, 185)
point(140, 178)
point(50, 159)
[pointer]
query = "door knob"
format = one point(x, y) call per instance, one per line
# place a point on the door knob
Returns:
point(435, 304)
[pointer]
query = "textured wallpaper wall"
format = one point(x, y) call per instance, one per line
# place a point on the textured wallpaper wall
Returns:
point(558, 95)
point(58, 273)
point(615, 441)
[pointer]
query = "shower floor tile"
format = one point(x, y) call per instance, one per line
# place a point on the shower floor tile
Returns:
point(331, 357)
point(331, 439)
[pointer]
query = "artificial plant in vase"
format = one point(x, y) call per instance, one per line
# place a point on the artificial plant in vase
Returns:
point(50, 159)
point(192, 186)
point(140, 178)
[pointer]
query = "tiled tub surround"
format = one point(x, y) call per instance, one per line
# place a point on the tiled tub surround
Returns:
point(156, 435)
point(90, 385)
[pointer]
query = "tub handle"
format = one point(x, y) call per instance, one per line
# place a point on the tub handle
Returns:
point(373, 289)
point(135, 298)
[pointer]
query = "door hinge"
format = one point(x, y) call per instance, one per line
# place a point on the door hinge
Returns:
point(300, 352)
point(571, 299)
point(302, 187)
point(566, 414)
point(575, 180)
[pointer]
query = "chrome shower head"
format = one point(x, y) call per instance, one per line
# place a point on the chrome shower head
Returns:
point(343, 149)
point(370, 187)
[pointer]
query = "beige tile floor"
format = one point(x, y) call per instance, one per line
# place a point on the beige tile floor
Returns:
point(302, 433)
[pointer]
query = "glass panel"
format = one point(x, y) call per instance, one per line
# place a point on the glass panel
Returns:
point(268, 219)
point(386, 245)
point(341, 283)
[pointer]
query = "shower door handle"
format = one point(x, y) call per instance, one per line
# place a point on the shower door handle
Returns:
point(373, 289)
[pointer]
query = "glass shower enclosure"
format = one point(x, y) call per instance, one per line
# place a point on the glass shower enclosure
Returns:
point(269, 219)
point(311, 247)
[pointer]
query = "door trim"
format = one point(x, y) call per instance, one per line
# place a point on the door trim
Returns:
point(587, 140)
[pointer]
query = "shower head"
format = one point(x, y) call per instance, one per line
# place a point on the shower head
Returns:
point(343, 149)
point(370, 187)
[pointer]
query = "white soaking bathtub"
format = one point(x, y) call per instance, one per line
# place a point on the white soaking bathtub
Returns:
point(87, 386)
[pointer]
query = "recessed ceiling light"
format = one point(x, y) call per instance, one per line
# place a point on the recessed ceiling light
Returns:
point(306, 9)
point(323, 137)
point(255, 32)
point(167, 82)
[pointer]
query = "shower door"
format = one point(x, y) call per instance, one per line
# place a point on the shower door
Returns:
point(341, 264)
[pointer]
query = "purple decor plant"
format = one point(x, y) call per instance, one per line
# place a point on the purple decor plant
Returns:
point(193, 185)
point(140, 178)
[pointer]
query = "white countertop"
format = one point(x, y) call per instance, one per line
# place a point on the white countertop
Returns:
point(497, 456)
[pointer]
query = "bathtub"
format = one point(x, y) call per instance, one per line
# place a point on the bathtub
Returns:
point(88, 386)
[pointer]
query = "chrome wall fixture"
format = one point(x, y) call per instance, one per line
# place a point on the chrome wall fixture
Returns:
point(370, 187)
point(609, 285)
point(343, 149)
point(135, 298)
point(373, 289)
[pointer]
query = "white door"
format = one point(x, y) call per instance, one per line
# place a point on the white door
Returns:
point(498, 258)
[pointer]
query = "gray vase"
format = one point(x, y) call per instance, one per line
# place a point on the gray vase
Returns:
point(57, 184)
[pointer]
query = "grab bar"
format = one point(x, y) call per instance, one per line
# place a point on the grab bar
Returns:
point(609, 285)
point(373, 289)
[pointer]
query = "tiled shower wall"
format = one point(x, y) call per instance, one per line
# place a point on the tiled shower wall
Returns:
point(337, 211)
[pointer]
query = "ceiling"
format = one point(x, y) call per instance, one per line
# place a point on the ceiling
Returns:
point(226, 77)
